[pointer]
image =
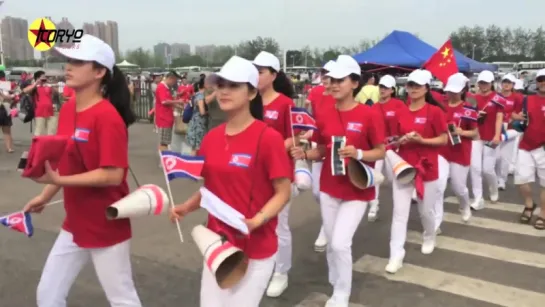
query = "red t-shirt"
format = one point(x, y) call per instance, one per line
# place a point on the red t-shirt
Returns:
point(461, 153)
point(68, 92)
point(277, 114)
point(99, 139)
point(324, 102)
point(315, 95)
point(511, 104)
point(185, 91)
point(247, 185)
point(534, 135)
point(364, 129)
point(429, 121)
point(164, 115)
point(44, 101)
point(487, 129)
point(389, 112)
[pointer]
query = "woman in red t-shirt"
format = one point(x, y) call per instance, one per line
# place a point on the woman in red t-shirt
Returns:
point(512, 100)
point(92, 173)
point(342, 204)
point(277, 91)
point(246, 166)
point(388, 107)
point(462, 117)
point(423, 131)
point(485, 150)
point(46, 122)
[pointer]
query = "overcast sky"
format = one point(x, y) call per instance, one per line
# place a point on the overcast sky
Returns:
point(294, 23)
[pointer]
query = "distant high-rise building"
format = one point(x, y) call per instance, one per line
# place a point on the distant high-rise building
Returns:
point(112, 35)
point(162, 50)
point(206, 52)
point(15, 39)
point(179, 50)
point(90, 28)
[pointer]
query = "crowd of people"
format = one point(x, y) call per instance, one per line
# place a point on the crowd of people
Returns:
point(445, 138)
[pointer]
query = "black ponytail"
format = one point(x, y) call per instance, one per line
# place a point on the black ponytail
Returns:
point(256, 104)
point(116, 90)
point(429, 99)
point(361, 82)
point(464, 92)
point(282, 84)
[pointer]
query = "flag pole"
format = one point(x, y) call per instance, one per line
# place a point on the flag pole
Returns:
point(170, 197)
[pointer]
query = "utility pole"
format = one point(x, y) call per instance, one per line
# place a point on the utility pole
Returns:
point(1, 42)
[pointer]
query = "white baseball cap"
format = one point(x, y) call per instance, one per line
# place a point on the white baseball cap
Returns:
point(91, 49)
point(510, 78)
point(486, 76)
point(387, 81)
point(344, 66)
point(540, 73)
point(267, 59)
point(419, 76)
point(429, 74)
point(237, 70)
point(519, 85)
point(456, 83)
point(329, 65)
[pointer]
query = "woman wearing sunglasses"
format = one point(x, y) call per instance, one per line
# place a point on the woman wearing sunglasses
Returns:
point(92, 173)
point(257, 186)
point(423, 129)
point(342, 204)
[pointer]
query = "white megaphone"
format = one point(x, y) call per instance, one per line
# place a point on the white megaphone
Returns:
point(149, 199)
point(303, 177)
point(509, 135)
point(225, 261)
point(363, 176)
point(404, 173)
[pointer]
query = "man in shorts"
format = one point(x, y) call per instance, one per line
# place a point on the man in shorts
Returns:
point(164, 109)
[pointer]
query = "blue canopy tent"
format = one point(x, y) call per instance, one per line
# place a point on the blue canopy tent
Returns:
point(406, 50)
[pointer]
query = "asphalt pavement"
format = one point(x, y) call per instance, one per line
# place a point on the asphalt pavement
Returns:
point(492, 261)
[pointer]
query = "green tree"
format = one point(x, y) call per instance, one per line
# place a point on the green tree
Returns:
point(189, 60)
point(251, 48)
point(294, 58)
point(538, 48)
point(140, 57)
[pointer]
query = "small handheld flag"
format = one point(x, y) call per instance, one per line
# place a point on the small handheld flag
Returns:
point(302, 120)
point(470, 113)
point(499, 100)
point(19, 221)
point(177, 165)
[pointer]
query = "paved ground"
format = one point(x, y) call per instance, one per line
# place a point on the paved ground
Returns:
point(493, 261)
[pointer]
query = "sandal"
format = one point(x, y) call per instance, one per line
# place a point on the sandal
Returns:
point(527, 214)
point(539, 224)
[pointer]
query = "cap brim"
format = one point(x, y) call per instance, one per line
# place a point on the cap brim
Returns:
point(267, 65)
point(453, 88)
point(215, 77)
point(72, 53)
point(386, 85)
point(421, 83)
point(483, 80)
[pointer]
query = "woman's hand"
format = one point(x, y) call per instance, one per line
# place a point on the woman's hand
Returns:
point(496, 140)
point(254, 222)
point(458, 131)
point(36, 205)
point(178, 212)
point(348, 152)
point(50, 177)
point(297, 153)
point(414, 137)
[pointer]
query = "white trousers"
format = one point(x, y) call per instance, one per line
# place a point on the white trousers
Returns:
point(530, 164)
point(45, 125)
point(458, 184)
point(340, 221)
point(506, 159)
point(316, 171)
point(65, 261)
point(247, 293)
point(402, 206)
point(483, 164)
point(515, 152)
point(283, 232)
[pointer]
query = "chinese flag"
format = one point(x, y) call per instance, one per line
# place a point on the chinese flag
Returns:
point(442, 64)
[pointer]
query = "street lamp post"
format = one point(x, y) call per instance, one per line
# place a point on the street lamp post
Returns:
point(1, 42)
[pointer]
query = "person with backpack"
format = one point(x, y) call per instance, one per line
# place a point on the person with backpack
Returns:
point(198, 125)
point(5, 118)
point(44, 112)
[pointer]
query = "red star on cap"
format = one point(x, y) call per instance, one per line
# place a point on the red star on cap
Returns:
point(44, 33)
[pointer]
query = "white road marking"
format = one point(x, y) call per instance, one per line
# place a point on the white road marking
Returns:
point(499, 206)
point(316, 299)
point(485, 223)
point(476, 289)
point(483, 250)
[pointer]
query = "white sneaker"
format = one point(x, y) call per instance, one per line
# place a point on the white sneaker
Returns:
point(501, 185)
point(373, 211)
point(494, 196)
point(478, 204)
point(277, 285)
point(428, 246)
point(321, 243)
point(336, 301)
point(394, 265)
point(466, 214)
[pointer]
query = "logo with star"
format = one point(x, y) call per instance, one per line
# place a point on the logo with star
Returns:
point(40, 33)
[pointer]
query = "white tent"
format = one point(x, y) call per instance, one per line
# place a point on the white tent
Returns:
point(126, 64)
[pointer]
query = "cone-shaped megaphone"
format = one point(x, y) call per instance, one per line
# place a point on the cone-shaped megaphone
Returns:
point(149, 199)
point(509, 135)
point(303, 178)
point(363, 176)
point(227, 262)
point(404, 172)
